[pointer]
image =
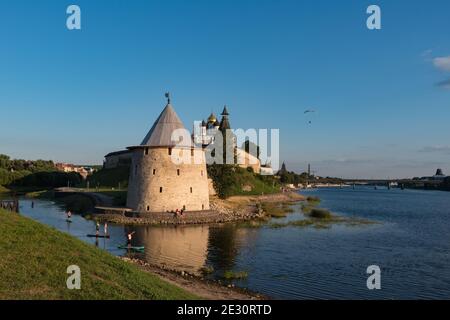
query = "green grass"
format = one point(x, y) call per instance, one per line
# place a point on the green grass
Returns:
point(233, 275)
point(276, 210)
point(259, 184)
point(35, 257)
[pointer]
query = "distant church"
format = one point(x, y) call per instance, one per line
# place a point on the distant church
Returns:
point(205, 134)
point(158, 184)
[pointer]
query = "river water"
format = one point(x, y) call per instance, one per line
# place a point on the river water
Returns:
point(410, 243)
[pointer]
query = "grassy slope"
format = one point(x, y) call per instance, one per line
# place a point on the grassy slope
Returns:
point(259, 186)
point(34, 259)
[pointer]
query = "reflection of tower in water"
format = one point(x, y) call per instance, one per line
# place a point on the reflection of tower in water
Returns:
point(226, 243)
point(180, 248)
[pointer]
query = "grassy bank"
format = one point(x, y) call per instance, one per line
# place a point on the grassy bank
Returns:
point(34, 259)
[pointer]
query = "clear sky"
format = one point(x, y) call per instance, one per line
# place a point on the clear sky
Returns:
point(382, 98)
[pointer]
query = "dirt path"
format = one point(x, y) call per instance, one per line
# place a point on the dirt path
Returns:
point(206, 289)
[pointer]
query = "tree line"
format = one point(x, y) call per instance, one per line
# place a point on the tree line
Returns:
point(34, 173)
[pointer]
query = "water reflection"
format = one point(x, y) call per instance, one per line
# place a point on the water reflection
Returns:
point(180, 247)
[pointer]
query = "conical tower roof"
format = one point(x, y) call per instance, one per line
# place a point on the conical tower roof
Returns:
point(160, 135)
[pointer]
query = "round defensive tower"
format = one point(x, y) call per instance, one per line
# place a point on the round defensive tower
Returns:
point(158, 181)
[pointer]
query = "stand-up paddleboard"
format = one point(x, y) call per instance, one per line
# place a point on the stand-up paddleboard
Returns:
point(69, 221)
point(98, 236)
point(132, 248)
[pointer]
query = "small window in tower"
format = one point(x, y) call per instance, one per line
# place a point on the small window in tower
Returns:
point(160, 189)
point(191, 189)
point(148, 208)
point(154, 171)
point(184, 208)
point(178, 172)
point(203, 207)
point(146, 151)
point(170, 151)
point(192, 152)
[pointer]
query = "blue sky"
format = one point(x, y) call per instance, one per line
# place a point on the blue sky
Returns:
point(382, 98)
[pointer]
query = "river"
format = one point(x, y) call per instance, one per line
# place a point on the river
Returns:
point(410, 243)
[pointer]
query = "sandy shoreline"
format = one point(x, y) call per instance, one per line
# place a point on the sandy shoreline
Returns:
point(206, 289)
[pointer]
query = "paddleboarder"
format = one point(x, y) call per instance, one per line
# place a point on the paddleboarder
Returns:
point(105, 228)
point(129, 238)
point(97, 229)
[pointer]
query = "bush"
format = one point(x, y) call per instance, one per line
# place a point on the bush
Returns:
point(313, 199)
point(320, 213)
point(47, 179)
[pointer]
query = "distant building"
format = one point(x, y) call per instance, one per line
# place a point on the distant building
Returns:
point(117, 159)
point(205, 134)
point(437, 177)
point(68, 167)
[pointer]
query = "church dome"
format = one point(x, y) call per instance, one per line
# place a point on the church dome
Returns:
point(212, 118)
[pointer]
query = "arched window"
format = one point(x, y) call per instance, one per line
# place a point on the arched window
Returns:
point(178, 172)
point(191, 189)
point(154, 171)
point(160, 189)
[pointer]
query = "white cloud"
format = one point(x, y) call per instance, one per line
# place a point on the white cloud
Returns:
point(442, 63)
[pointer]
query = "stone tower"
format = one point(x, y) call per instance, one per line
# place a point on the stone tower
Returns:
point(157, 183)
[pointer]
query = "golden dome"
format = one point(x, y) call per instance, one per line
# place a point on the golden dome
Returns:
point(212, 118)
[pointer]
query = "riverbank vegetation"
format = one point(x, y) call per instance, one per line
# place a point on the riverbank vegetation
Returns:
point(35, 259)
point(19, 173)
point(232, 180)
point(235, 275)
point(276, 209)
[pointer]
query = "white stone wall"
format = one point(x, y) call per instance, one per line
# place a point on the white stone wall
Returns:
point(183, 185)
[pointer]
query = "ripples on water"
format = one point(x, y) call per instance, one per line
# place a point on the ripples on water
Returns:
point(411, 245)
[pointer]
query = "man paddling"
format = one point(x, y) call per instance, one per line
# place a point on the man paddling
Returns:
point(97, 229)
point(69, 215)
point(105, 229)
